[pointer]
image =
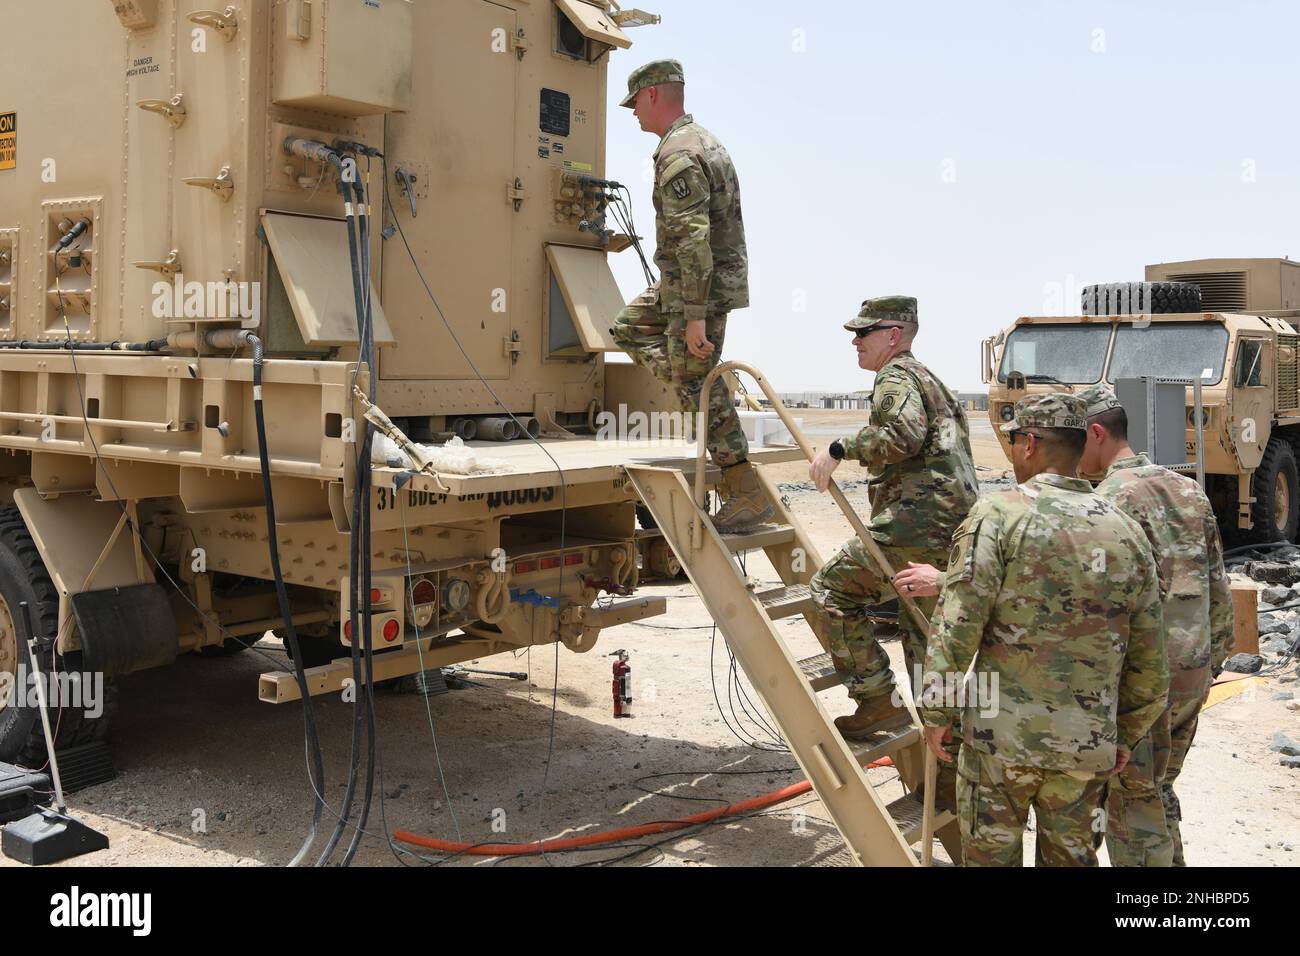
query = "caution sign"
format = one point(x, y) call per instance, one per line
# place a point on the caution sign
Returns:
point(8, 140)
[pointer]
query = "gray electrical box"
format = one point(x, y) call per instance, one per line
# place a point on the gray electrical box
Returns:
point(1160, 406)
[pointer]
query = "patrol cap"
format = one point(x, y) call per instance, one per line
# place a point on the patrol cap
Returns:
point(1053, 410)
point(1099, 399)
point(889, 309)
point(652, 74)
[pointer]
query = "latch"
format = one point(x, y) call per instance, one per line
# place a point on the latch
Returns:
point(223, 185)
point(173, 109)
point(515, 194)
point(407, 180)
point(513, 347)
point(299, 21)
point(226, 24)
point(168, 267)
point(519, 43)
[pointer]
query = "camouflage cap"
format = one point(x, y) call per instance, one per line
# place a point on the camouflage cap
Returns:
point(1099, 399)
point(652, 74)
point(1054, 410)
point(889, 309)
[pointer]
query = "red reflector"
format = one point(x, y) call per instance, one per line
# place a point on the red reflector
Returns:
point(571, 559)
point(375, 596)
point(549, 564)
point(347, 630)
point(424, 592)
point(525, 567)
point(390, 630)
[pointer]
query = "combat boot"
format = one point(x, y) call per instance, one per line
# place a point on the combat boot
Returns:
point(745, 504)
point(872, 715)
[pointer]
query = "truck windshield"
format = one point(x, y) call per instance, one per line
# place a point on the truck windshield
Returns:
point(1073, 354)
point(1170, 350)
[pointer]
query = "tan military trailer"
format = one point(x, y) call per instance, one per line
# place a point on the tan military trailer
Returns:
point(1232, 324)
point(185, 249)
point(303, 307)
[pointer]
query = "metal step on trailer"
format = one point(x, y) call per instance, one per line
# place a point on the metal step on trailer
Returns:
point(755, 539)
point(788, 687)
point(786, 601)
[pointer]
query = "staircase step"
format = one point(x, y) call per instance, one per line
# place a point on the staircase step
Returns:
point(907, 812)
point(763, 536)
point(821, 672)
point(884, 742)
point(787, 601)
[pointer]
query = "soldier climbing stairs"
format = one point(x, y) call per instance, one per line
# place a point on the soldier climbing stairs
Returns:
point(876, 833)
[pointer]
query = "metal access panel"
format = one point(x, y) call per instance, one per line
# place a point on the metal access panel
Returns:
point(463, 127)
point(1169, 418)
point(348, 57)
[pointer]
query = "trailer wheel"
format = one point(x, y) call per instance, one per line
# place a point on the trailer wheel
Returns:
point(1276, 511)
point(23, 578)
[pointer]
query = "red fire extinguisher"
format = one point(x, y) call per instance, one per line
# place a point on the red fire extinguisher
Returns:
point(622, 685)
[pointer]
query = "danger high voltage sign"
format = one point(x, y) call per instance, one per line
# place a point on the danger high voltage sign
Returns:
point(8, 140)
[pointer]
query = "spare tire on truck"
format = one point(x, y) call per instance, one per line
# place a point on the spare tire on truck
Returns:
point(1141, 298)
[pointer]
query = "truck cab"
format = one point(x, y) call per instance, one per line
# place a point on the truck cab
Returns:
point(1242, 346)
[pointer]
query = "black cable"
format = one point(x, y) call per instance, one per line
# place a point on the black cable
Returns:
point(282, 597)
point(356, 538)
point(368, 343)
point(1267, 546)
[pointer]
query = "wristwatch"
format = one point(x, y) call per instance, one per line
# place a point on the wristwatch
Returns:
point(836, 450)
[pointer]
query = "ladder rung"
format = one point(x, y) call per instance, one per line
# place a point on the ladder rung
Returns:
point(821, 672)
point(884, 743)
point(908, 812)
point(766, 536)
point(786, 602)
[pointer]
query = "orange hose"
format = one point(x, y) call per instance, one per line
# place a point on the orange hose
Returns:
point(617, 836)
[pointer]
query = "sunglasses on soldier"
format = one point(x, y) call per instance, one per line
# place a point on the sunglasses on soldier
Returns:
point(863, 333)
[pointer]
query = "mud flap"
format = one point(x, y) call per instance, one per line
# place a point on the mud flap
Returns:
point(127, 629)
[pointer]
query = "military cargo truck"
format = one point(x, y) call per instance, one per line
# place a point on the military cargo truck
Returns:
point(197, 313)
point(1232, 324)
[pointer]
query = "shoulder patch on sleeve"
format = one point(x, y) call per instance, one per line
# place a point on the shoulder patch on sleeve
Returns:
point(676, 166)
point(961, 560)
point(888, 398)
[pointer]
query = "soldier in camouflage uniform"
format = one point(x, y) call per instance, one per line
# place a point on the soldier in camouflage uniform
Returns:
point(921, 482)
point(676, 328)
point(1178, 521)
point(1052, 592)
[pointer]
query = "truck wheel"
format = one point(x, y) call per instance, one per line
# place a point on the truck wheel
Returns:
point(1141, 298)
point(1276, 511)
point(23, 578)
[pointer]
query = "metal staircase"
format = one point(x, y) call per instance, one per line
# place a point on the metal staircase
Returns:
point(877, 834)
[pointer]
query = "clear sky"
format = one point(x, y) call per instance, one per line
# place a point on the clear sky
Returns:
point(987, 158)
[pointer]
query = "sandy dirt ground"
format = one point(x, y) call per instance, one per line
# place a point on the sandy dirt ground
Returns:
point(193, 745)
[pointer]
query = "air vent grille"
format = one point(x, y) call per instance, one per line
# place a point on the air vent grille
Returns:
point(1220, 291)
